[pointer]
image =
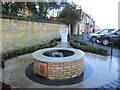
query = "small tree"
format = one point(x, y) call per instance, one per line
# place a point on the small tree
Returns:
point(70, 16)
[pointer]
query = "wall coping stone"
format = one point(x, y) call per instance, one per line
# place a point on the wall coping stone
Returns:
point(28, 19)
point(38, 55)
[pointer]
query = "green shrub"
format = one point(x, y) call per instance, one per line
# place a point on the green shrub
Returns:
point(55, 40)
point(8, 54)
point(102, 51)
point(87, 47)
point(73, 44)
point(29, 49)
point(82, 47)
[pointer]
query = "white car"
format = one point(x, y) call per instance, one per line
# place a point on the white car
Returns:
point(93, 36)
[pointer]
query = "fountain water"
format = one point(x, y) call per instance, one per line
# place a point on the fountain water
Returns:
point(56, 54)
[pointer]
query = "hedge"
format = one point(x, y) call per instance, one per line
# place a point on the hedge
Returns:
point(87, 47)
point(29, 49)
point(73, 42)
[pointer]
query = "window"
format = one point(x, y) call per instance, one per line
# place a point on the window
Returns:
point(118, 32)
point(105, 31)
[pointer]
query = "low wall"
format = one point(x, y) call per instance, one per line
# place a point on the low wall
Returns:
point(58, 71)
point(21, 33)
point(65, 70)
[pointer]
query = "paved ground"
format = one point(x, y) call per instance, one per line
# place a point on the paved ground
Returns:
point(104, 70)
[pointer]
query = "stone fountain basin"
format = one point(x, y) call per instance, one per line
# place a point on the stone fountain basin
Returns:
point(57, 68)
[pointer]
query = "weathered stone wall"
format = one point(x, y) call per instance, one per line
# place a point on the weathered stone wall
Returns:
point(19, 33)
point(65, 70)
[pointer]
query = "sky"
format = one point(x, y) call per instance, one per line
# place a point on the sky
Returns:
point(104, 12)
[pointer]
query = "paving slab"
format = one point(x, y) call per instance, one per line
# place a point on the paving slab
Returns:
point(104, 71)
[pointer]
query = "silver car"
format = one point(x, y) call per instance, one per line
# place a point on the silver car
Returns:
point(93, 36)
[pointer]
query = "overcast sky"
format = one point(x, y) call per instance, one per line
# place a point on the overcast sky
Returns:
point(104, 12)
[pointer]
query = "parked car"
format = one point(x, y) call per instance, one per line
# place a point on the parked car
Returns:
point(93, 36)
point(109, 38)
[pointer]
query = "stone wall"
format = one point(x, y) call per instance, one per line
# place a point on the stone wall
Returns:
point(19, 33)
point(65, 70)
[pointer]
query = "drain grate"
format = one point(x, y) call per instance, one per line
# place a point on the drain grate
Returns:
point(113, 85)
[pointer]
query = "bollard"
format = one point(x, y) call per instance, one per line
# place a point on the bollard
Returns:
point(92, 42)
point(112, 48)
point(3, 63)
point(82, 36)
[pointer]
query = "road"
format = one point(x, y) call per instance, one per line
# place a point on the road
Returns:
point(115, 52)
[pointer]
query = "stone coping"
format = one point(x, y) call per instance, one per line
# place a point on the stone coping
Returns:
point(28, 19)
point(38, 55)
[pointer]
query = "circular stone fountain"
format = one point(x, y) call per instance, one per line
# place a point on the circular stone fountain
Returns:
point(59, 63)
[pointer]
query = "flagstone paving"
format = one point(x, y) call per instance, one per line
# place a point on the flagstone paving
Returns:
point(104, 70)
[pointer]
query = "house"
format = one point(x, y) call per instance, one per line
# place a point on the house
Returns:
point(86, 24)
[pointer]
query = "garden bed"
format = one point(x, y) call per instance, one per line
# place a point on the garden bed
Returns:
point(29, 49)
point(87, 47)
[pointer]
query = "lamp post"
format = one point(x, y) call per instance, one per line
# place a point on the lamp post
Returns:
point(81, 19)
